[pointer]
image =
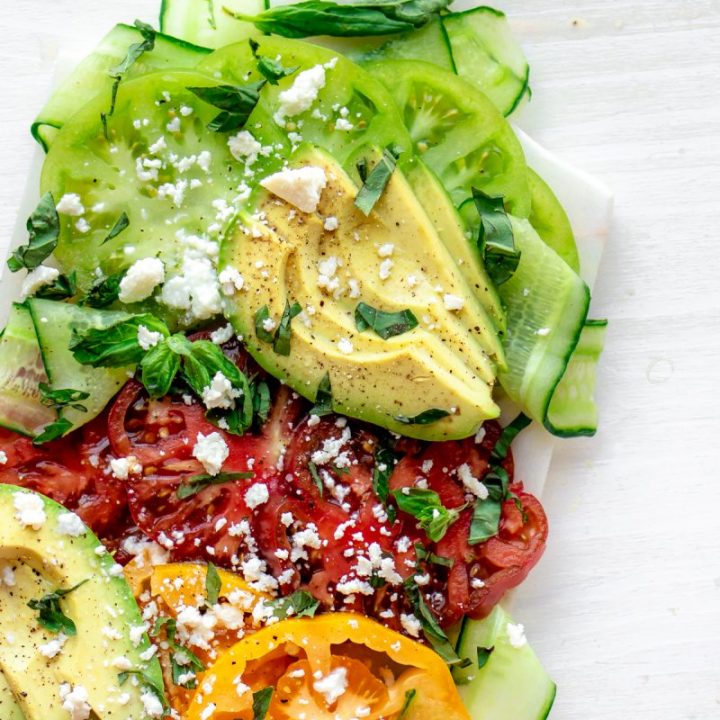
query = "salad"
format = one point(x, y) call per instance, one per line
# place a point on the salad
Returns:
point(289, 294)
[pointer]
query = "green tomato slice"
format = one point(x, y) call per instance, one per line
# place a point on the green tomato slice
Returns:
point(175, 180)
point(351, 111)
point(458, 132)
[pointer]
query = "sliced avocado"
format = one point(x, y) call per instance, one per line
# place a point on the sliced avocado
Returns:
point(61, 554)
point(9, 709)
point(442, 363)
point(452, 231)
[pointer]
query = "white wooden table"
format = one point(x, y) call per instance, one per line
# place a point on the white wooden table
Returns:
point(625, 607)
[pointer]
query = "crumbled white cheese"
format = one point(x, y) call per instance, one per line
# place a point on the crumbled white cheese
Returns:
point(141, 279)
point(256, 495)
point(230, 280)
point(244, 146)
point(152, 705)
point(480, 435)
point(471, 483)
point(331, 223)
point(174, 125)
point(343, 124)
point(75, 701)
point(69, 523)
point(333, 685)
point(82, 225)
point(220, 393)
point(70, 204)
point(345, 346)
point(7, 576)
point(158, 146)
point(212, 451)
point(386, 250)
point(3, 457)
point(29, 509)
point(122, 468)
point(148, 338)
point(53, 647)
point(411, 624)
point(354, 586)
point(301, 187)
point(386, 267)
point(39, 277)
point(302, 93)
point(222, 334)
point(453, 302)
point(516, 635)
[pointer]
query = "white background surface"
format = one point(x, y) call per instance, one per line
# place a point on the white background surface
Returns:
point(624, 609)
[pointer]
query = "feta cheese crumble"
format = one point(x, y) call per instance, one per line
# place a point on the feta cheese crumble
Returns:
point(39, 277)
point(220, 393)
point(244, 146)
point(148, 338)
point(68, 523)
point(453, 302)
point(516, 635)
point(301, 187)
point(256, 495)
point(141, 279)
point(230, 280)
point(29, 510)
point(211, 451)
point(333, 685)
point(75, 701)
point(471, 483)
point(302, 93)
point(70, 204)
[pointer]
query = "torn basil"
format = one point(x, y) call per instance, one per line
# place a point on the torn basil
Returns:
point(424, 418)
point(495, 237)
point(384, 324)
point(323, 398)
point(272, 70)
point(235, 101)
point(43, 228)
point(376, 181)
point(279, 335)
point(425, 505)
point(197, 483)
point(212, 584)
point(50, 614)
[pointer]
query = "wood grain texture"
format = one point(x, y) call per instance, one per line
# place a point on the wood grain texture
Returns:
point(625, 607)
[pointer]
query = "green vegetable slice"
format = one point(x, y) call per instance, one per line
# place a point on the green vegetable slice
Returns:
point(488, 56)
point(572, 410)
point(91, 77)
point(458, 132)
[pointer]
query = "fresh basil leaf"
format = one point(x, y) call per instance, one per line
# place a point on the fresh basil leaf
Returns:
point(62, 397)
point(424, 418)
point(281, 344)
point(197, 483)
point(425, 505)
point(116, 345)
point(164, 622)
point(211, 14)
point(53, 431)
point(384, 324)
point(236, 102)
point(157, 689)
point(423, 554)
point(261, 401)
point(376, 181)
point(495, 237)
point(323, 398)
point(312, 467)
point(272, 70)
point(158, 369)
point(178, 671)
point(104, 292)
point(300, 604)
point(62, 288)
point(497, 481)
point(43, 228)
point(434, 634)
point(212, 584)
point(261, 702)
point(385, 461)
point(261, 316)
point(319, 17)
point(485, 521)
point(483, 655)
point(509, 433)
point(50, 614)
point(409, 697)
point(122, 223)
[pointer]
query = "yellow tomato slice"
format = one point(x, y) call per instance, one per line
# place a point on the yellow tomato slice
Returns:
point(336, 666)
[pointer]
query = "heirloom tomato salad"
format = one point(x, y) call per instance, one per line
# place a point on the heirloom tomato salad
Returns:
point(286, 266)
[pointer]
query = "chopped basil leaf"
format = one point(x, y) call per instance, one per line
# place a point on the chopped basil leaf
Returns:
point(272, 70)
point(320, 17)
point(43, 228)
point(300, 604)
point(323, 398)
point(424, 554)
point(376, 181)
point(280, 339)
point(158, 369)
point(312, 467)
point(424, 418)
point(212, 584)
point(434, 634)
point(261, 702)
point(50, 614)
point(104, 292)
point(211, 14)
point(495, 237)
point(434, 518)
point(196, 483)
point(385, 324)
point(385, 461)
point(509, 433)
point(235, 101)
point(115, 345)
point(409, 697)
point(62, 398)
point(187, 660)
point(146, 679)
point(53, 431)
point(486, 513)
point(261, 401)
point(121, 224)
point(62, 288)
point(483, 655)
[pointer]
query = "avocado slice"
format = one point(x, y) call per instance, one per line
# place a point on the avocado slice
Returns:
point(9, 709)
point(43, 548)
point(447, 362)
